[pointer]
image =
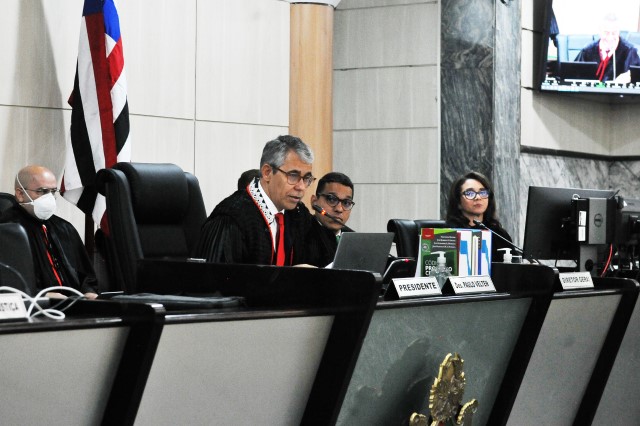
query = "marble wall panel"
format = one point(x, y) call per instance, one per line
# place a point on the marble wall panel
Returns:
point(386, 36)
point(533, 14)
point(39, 51)
point(242, 71)
point(529, 58)
point(467, 34)
point(386, 108)
point(508, 193)
point(626, 176)
point(390, 155)
point(31, 136)
point(160, 58)
point(383, 98)
point(163, 140)
point(377, 203)
point(506, 111)
point(625, 129)
point(467, 140)
point(357, 4)
point(223, 151)
point(565, 123)
point(467, 54)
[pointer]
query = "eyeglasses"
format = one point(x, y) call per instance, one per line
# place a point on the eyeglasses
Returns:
point(44, 191)
point(470, 194)
point(333, 201)
point(294, 177)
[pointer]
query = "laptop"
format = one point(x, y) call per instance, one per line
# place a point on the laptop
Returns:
point(634, 73)
point(364, 251)
point(578, 71)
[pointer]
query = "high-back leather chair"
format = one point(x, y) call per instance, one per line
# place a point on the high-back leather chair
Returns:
point(407, 234)
point(7, 201)
point(16, 261)
point(153, 211)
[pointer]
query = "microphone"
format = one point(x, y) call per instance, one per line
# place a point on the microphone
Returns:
point(323, 212)
point(483, 226)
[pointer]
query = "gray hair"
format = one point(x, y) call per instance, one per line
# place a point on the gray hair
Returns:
point(275, 151)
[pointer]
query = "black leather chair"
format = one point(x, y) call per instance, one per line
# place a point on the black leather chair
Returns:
point(407, 234)
point(16, 262)
point(154, 211)
point(7, 201)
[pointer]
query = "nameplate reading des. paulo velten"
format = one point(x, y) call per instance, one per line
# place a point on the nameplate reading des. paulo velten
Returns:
point(472, 284)
point(416, 287)
point(575, 280)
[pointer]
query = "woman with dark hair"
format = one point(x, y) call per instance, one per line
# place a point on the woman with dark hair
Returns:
point(471, 198)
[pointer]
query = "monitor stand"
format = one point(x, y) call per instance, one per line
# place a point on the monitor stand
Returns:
point(588, 258)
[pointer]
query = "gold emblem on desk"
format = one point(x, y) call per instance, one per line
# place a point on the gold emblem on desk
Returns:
point(445, 397)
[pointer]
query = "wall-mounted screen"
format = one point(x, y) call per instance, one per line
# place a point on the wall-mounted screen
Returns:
point(590, 46)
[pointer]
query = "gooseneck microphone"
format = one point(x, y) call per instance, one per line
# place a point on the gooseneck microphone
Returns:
point(483, 226)
point(323, 212)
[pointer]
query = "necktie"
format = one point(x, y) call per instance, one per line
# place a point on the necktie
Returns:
point(338, 238)
point(603, 66)
point(280, 255)
point(48, 247)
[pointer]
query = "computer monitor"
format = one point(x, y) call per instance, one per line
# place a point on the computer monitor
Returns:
point(627, 235)
point(552, 230)
point(571, 32)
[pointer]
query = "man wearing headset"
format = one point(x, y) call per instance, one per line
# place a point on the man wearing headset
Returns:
point(332, 203)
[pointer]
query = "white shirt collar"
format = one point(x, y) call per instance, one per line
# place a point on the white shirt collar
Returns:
point(269, 204)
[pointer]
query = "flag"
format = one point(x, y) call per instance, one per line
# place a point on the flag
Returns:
point(99, 135)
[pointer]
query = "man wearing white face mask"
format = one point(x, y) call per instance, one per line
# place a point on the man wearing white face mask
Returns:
point(59, 256)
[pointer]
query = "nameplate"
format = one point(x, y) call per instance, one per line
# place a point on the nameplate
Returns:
point(574, 280)
point(416, 287)
point(472, 284)
point(12, 307)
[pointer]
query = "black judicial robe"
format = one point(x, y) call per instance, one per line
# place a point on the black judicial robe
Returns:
point(626, 55)
point(321, 244)
point(237, 232)
point(74, 265)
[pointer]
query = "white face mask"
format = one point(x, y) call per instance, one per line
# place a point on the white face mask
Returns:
point(43, 207)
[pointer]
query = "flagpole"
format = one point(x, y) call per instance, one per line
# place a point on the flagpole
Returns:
point(89, 239)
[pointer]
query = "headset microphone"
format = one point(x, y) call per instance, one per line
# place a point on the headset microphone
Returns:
point(324, 213)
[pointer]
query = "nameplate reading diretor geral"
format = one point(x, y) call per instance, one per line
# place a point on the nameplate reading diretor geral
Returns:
point(12, 307)
point(416, 287)
point(472, 284)
point(574, 280)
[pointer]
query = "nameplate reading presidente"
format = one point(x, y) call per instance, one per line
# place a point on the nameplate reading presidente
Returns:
point(416, 287)
point(575, 280)
point(12, 307)
point(472, 284)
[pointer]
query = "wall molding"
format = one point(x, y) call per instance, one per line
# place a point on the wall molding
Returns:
point(524, 149)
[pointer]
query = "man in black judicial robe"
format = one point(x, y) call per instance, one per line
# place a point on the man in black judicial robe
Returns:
point(243, 228)
point(334, 197)
point(610, 49)
point(58, 253)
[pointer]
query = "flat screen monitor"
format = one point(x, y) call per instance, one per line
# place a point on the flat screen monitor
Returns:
point(586, 31)
point(549, 232)
point(628, 223)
